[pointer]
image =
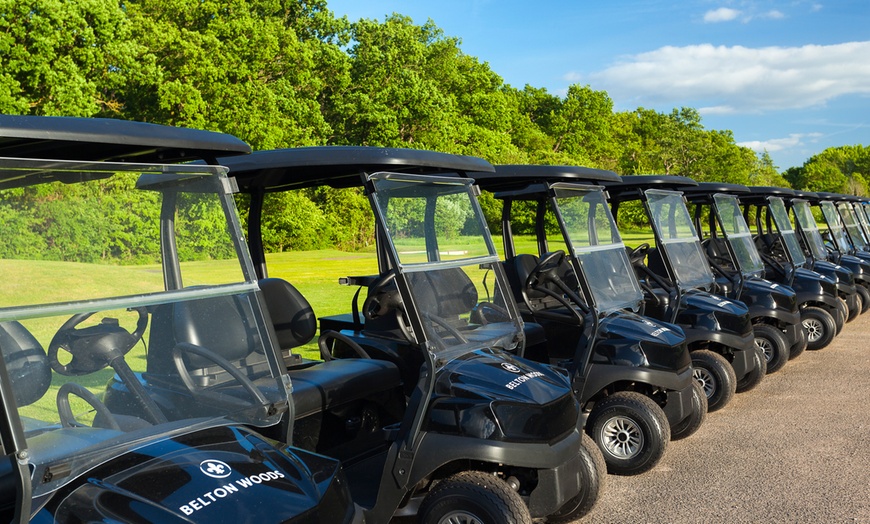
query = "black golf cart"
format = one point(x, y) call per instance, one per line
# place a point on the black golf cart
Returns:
point(485, 436)
point(780, 248)
point(845, 238)
point(678, 284)
point(821, 257)
point(633, 376)
point(98, 241)
point(732, 254)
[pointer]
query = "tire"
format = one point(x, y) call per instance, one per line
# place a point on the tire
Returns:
point(716, 376)
point(800, 344)
point(865, 297)
point(474, 497)
point(592, 478)
point(631, 431)
point(854, 311)
point(695, 420)
point(773, 344)
point(754, 377)
point(819, 326)
point(841, 315)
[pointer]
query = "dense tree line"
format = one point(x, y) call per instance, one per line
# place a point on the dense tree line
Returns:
point(287, 73)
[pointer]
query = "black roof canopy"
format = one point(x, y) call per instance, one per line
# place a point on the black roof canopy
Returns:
point(758, 194)
point(704, 191)
point(104, 139)
point(632, 185)
point(529, 182)
point(340, 166)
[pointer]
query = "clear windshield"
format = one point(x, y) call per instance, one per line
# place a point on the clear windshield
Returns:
point(804, 216)
point(105, 352)
point(835, 226)
point(850, 221)
point(594, 239)
point(442, 244)
point(777, 209)
point(861, 215)
point(738, 235)
point(679, 241)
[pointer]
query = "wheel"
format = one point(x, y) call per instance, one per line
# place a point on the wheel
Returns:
point(853, 311)
point(773, 344)
point(800, 344)
point(842, 314)
point(593, 474)
point(631, 431)
point(754, 377)
point(716, 376)
point(473, 497)
point(819, 326)
point(864, 294)
point(695, 420)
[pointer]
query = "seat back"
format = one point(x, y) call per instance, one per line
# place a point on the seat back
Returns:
point(26, 363)
point(292, 315)
point(447, 293)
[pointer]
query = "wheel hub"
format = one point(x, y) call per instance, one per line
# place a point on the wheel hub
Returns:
point(622, 437)
point(766, 348)
point(706, 379)
point(814, 329)
point(460, 517)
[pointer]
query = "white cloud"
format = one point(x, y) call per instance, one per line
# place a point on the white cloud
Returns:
point(773, 15)
point(738, 79)
point(779, 144)
point(723, 14)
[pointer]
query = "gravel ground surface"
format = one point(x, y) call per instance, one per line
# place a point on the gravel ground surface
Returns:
point(794, 449)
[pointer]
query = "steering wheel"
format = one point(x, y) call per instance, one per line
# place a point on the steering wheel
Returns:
point(380, 299)
point(546, 269)
point(447, 327)
point(326, 351)
point(94, 347)
point(186, 348)
point(68, 420)
point(639, 253)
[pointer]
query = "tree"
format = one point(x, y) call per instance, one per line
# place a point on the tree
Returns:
point(70, 58)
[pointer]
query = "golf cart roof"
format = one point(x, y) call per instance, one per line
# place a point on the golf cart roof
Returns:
point(631, 186)
point(812, 196)
point(758, 194)
point(104, 139)
point(833, 197)
point(339, 166)
point(527, 181)
point(704, 191)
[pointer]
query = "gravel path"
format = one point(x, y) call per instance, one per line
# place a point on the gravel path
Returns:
point(794, 449)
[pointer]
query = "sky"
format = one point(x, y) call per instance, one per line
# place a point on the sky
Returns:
point(791, 77)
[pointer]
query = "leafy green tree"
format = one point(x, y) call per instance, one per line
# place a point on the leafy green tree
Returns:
point(70, 58)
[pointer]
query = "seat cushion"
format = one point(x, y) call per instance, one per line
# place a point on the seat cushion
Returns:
point(325, 385)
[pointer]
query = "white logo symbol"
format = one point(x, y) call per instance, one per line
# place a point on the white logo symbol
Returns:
point(510, 367)
point(215, 468)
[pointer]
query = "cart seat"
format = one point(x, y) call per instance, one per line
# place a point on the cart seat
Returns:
point(319, 386)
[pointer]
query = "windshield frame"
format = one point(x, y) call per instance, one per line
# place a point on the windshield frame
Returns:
point(777, 210)
point(739, 242)
point(834, 221)
point(850, 222)
point(682, 273)
point(809, 228)
point(411, 274)
point(598, 245)
point(165, 179)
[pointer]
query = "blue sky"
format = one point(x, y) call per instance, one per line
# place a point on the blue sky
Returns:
point(790, 76)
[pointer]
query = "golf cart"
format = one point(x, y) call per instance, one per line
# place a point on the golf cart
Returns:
point(98, 239)
point(821, 255)
point(484, 435)
point(732, 254)
point(780, 248)
point(678, 285)
point(633, 376)
point(845, 238)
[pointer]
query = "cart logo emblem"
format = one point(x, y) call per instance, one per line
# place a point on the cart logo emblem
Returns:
point(215, 468)
point(507, 366)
